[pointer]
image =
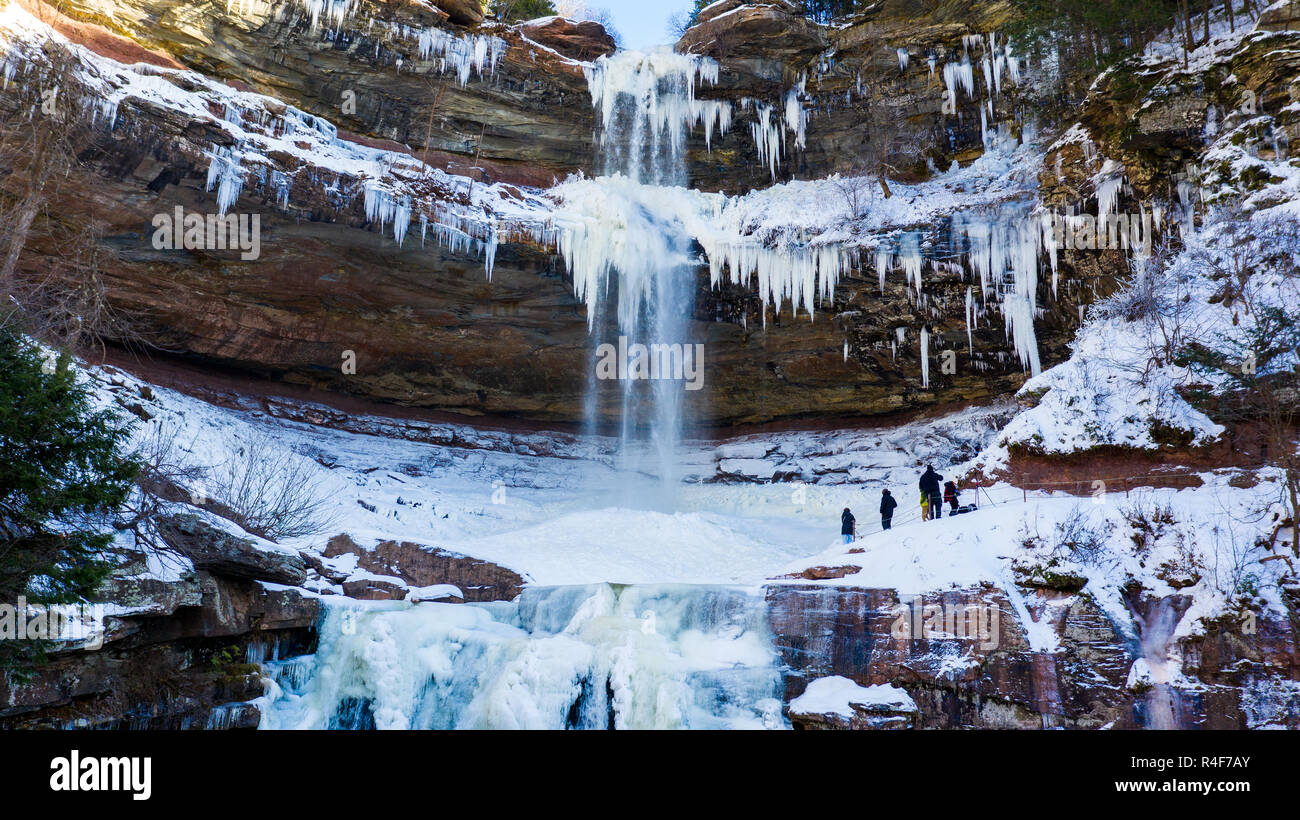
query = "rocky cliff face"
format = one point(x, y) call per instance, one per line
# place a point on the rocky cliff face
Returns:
point(873, 86)
point(182, 648)
point(426, 327)
point(963, 657)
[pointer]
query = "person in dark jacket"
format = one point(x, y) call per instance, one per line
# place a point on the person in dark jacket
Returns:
point(887, 505)
point(931, 483)
point(950, 495)
point(847, 526)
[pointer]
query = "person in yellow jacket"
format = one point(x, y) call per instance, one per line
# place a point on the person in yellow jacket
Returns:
point(925, 507)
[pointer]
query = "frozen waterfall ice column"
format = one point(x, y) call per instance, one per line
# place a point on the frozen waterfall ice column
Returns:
point(646, 104)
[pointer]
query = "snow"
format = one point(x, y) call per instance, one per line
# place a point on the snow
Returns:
point(552, 506)
point(838, 695)
point(1212, 526)
point(434, 592)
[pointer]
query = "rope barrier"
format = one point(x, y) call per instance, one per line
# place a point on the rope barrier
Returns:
point(1038, 486)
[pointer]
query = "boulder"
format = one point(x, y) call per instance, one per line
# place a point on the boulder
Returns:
point(585, 40)
point(371, 588)
point(422, 566)
point(775, 32)
point(462, 12)
point(222, 553)
point(838, 703)
point(322, 568)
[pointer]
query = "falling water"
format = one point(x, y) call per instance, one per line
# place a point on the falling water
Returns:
point(1156, 621)
point(646, 105)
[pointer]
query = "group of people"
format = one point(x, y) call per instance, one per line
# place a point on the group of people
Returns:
point(935, 492)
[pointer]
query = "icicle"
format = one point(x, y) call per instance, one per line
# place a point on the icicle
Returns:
point(883, 257)
point(381, 207)
point(959, 75)
point(910, 257)
point(1108, 193)
point(796, 118)
point(467, 54)
point(925, 356)
point(227, 177)
point(335, 11)
point(970, 318)
point(767, 138)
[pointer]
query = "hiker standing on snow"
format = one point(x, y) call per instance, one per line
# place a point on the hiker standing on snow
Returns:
point(931, 483)
point(847, 526)
point(950, 495)
point(887, 505)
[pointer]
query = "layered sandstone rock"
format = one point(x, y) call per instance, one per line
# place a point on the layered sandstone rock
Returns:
point(421, 566)
point(964, 658)
point(579, 40)
point(423, 323)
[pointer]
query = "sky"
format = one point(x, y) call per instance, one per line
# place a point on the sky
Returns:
point(643, 23)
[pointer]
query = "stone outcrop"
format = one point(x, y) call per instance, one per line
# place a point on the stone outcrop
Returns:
point(179, 657)
point(578, 40)
point(462, 12)
point(521, 124)
point(422, 566)
point(220, 552)
point(870, 112)
point(990, 680)
point(964, 658)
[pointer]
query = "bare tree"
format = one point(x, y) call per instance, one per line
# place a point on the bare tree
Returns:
point(42, 123)
point(1157, 298)
point(272, 491)
point(1257, 264)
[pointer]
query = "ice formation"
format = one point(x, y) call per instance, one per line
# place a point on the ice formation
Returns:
point(394, 187)
point(462, 54)
point(1004, 254)
point(647, 104)
point(585, 657)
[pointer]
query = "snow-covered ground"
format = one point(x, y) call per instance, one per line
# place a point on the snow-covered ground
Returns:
point(1204, 540)
point(566, 516)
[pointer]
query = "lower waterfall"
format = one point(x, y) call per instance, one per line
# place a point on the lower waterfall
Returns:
point(601, 656)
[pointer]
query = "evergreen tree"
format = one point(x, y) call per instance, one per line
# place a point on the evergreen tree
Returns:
point(62, 476)
point(513, 11)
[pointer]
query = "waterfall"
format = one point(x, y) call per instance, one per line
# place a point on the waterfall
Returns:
point(583, 657)
point(1155, 672)
point(646, 105)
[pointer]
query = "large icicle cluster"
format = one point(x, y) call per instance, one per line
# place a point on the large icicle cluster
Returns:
point(659, 87)
point(462, 55)
point(393, 187)
point(663, 85)
point(617, 226)
point(476, 53)
point(998, 65)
